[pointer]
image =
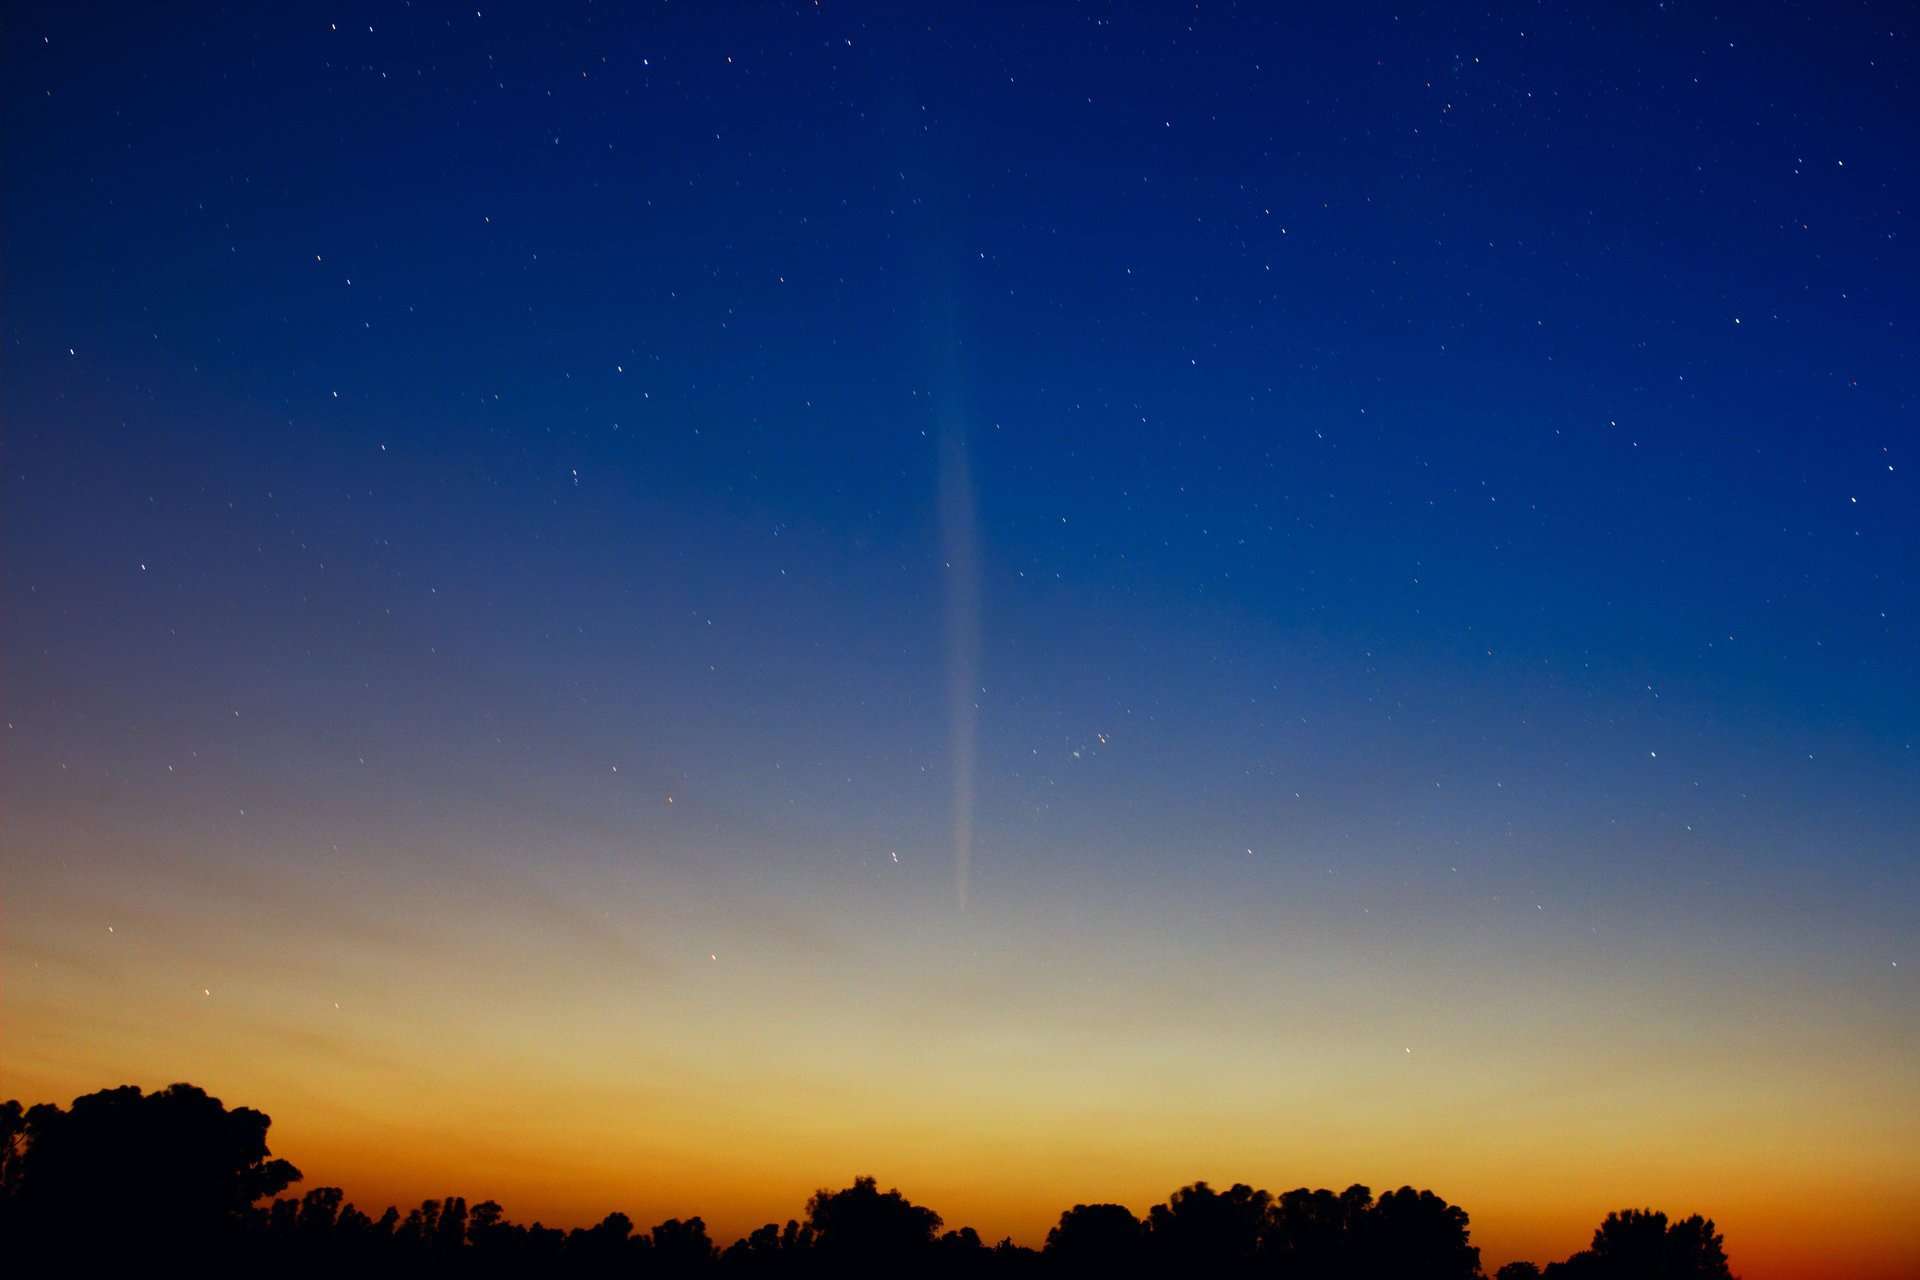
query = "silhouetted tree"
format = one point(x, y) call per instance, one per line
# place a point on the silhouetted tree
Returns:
point(356, 1243)
point(961, 1244)
point(13, 1145)
point(489, 1235)
point(603, 1248)
point(862, 1227)
point(320, 1213)
point(1695, 1249)
point(769, 1250)
point(1010, 1259)
point(959, 1253)
point(180, 1171)
point(1518, 1271)
point(1200, 1231)
point(543, 1248)
point(681, 1248)
point(451, 1234)
point(1415, 1235)
point(1315, 1235)
point(1096, 1239)
point(417, 1231)
point(1641, 1243)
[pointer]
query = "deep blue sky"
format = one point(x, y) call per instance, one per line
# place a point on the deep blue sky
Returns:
point(1461, 463)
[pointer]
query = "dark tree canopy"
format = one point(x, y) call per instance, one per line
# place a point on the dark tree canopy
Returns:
point(1210, 1232)
point(178, 1168)
point(862, 1222)
point(1316, 1234)
point(681, 1248)
point(1096, 1238)
point(1640, 1244)
point(1418, 1236)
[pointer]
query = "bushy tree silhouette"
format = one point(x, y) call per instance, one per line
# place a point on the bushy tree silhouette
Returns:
point(1642, 1244)
point(179, 1171)
point(1316, 1235)
point(1200, 1231)
point(1096, 1239)
point(1405, 1235)
point(1415, 1235)
point(860, 1226)
point(1696, 1251)
point(605, 1248)
point(770, 1250)
point(681, 1248)
point(1581, 1266)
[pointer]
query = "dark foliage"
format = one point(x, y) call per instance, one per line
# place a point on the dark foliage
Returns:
point(122, 1174)
point(864, 1228)
point(1096, 1239)
point(129, 1179)
point(1640, 1244)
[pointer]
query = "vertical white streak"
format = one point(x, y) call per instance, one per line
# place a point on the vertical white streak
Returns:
point(959, 542)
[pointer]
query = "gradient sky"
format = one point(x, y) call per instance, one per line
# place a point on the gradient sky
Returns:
point(653, 607)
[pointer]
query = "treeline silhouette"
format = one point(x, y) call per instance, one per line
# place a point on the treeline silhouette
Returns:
point(123, 1179)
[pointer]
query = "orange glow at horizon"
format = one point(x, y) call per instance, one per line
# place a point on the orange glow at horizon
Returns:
point(596, 1073)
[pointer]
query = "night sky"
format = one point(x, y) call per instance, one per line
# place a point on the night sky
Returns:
point(653, 607)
